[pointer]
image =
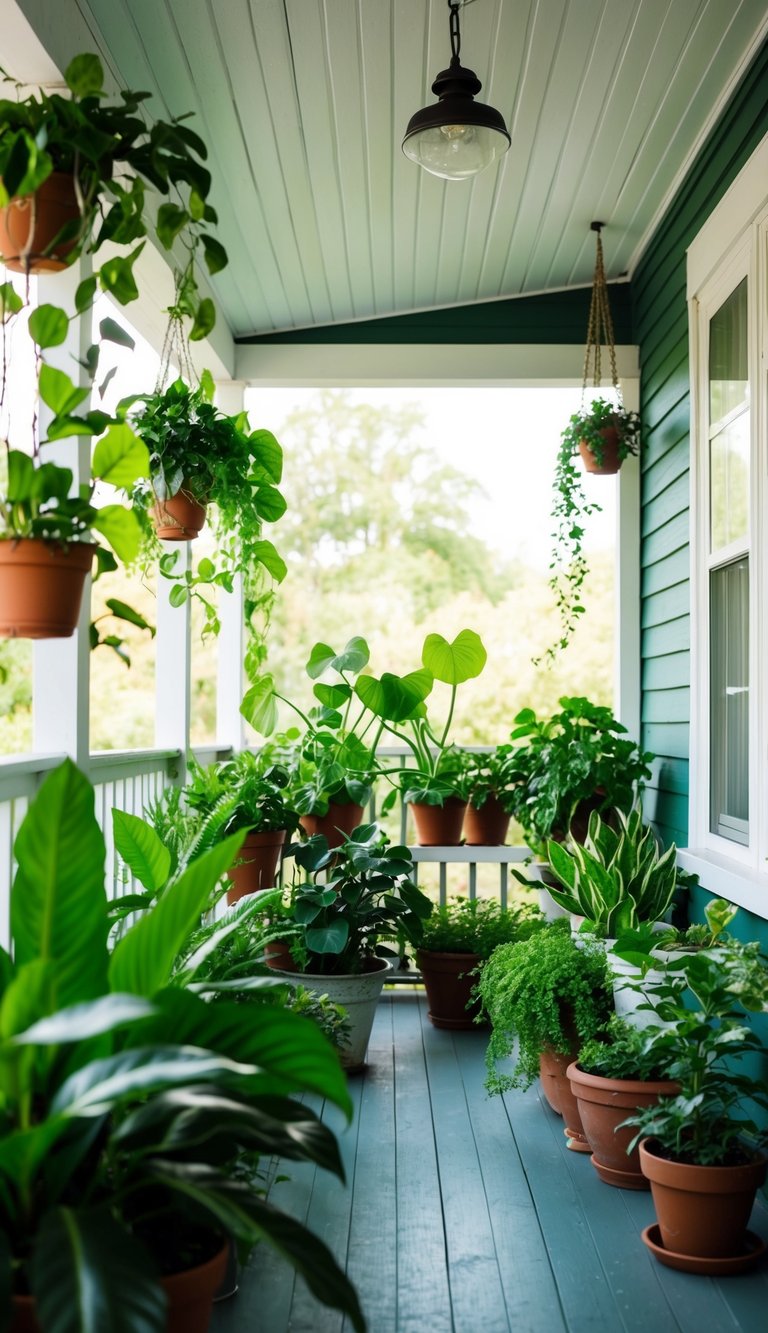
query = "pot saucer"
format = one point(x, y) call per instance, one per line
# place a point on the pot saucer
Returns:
point(623, 1180)
point(754, 1249)
point(576, 1140)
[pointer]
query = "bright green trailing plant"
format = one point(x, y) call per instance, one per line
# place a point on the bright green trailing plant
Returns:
point(538, 993)
point(618, 879)
point(622, 1052)
point(477, 925)
point(704, 1043)
point(129, 1106)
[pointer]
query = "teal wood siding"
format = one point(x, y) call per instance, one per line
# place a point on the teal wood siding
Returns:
point(557, 317)
point(660, 320)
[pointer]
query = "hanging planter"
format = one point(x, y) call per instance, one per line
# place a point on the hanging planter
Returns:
point(41, 587)
point(38, 232)
point(178, 518)
point(603, 435)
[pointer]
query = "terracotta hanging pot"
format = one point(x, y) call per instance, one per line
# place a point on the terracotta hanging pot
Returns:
point(190, 1299)
point(554, 1081)
point(487, 826)
point(179, 518)
point(611, 460)
point(702, 1211)
point(439, 825)
point(340, 820)
point(603, 1104)
point(41, 587)
point(30, 224)
point(448, 984)
point(258, 859)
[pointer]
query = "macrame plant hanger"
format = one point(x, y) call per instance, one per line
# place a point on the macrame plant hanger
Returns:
point(600, 327)
point(176, 345)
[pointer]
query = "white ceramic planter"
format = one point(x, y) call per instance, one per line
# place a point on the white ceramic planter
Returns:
point(359, 994)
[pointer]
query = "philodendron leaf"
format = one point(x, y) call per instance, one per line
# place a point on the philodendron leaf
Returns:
point(89, 1273)
point(454, 662)
point(259, 707)
point(327, 939)
point(265, 553)
point(394, 698)
point(48, 325)
point(58, 392)
point(121, 528)
point(145, 854)
point(120, 457)
point(58, 902)
point(143, 959)
point(353, 657)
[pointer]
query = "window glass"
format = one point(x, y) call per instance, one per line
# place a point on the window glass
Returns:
point(729, 483)
point(729, 701)
point(728, 362)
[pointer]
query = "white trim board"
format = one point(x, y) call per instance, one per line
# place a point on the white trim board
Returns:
point(737, 210)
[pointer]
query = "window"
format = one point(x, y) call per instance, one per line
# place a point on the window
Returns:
point(727, 273)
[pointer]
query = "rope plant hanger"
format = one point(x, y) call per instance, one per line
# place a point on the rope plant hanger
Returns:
point(600, 325)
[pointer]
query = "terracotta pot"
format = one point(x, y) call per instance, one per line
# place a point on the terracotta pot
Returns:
point(359, 994)
point(439, 825)
point(180, 518)
point(259, 856)
point(702, 1210)
point(448, 987)
point(41, 587)
point(190, 1299)
point(29, 225)
point(557, 1090)
point(611, 461)
point(277, 955)
point(603, 1104)
point(340, 820)
point(488, 826)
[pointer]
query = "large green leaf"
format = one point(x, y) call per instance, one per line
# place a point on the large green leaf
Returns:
point(244, 1214)
point(259, 707)
point(353, 657)
point(58, 391)
point(143, 959)
point(454, 662)
point(121, 528)
point(102, 1085)
point(145, 854)
point(81, 1021)
point(89, 1275)
point(120, 457)
point(48, 325)
point(29, 996)
point(265, 553)
point(268, 454)
point(58, 903)
point(394, 698)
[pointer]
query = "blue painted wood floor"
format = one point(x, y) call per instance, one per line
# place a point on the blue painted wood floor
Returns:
point(464, 1214)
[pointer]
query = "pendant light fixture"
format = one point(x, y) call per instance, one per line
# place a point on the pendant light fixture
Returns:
point(456, 137)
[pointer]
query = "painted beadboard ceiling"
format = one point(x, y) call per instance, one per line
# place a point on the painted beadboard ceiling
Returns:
point(304, 103)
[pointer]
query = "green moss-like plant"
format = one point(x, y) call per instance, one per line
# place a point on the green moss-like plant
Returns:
point(538, 993)
point(475, 925)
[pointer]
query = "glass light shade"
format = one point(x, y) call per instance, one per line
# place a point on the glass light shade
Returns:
point(455, 151)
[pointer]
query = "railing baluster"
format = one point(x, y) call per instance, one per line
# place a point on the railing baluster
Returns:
point(472, 880)
point(443, 883)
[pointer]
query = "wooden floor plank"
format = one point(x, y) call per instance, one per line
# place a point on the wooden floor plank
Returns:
point(526, 1273)
point(423, 1293)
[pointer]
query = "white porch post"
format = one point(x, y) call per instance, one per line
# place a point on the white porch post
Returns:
point(231, 645)
point(61, 667)
point(627, 637)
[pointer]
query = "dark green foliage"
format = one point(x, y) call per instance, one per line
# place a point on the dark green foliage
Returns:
point(247, 792)
point(544, 991)
point(492, 774)
point(579, 754)
point(477, 925)
point(622, 1052)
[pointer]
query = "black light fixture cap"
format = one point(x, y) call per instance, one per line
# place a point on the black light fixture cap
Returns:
point(456, 88)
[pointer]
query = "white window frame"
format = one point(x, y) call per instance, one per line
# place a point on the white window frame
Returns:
point(732, 245)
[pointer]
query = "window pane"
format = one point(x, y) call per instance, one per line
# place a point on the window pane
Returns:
point(728, 355)
point(729, 701)
point(729, 483)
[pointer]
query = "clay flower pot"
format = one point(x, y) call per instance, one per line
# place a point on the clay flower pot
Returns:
point(179, 518)
point(486, 826)
point(611, 461)
point(439, 825)
point(41, 587)
point(448, 986)
point(557, 1089)
point(603, 1104)
point(702, 1211)
point(338, 822)
point(258, 859)
point(28, 226)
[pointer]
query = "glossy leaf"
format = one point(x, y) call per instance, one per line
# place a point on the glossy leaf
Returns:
point(204, 321)
point(394, 698)
point(454, 662)
point(48, 325)
point(264, 553)
point(113, 332)
point(84, 75)
point(143, 851)
point(81, 1021)
point(121, 528)
point(259, 707)
point(120, 457)
point(58, 392)
point(214, 253)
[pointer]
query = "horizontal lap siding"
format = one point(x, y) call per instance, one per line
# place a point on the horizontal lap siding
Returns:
point(661, 329)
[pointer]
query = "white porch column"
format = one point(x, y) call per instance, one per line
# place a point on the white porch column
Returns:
point(231, 646)
point(627, 635)
point(61, 667)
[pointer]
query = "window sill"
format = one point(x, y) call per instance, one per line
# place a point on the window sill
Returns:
point(727, 879)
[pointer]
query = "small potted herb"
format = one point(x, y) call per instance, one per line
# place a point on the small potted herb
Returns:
point(702, 1151)
point(491, 800)
point(604, 435)
point(544, 997)
point(455, 940)
point(353, 904)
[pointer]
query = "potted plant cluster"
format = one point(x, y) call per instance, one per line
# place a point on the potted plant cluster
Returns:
point(131, 1109)
point(490, 780)
point(616, 1074)
point(544, 997)
point(355, 902)
point(565, 766)
point(702, 1150)
point(456, 940)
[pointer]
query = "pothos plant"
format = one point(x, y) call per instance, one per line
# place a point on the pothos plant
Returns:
point(112, 152)
point(218, 460)
point(571, 508)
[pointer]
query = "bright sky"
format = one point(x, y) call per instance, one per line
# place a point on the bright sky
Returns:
point(506, 438)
